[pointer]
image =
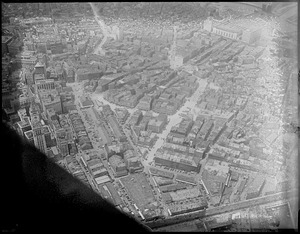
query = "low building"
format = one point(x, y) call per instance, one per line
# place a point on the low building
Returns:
point(14, 47)
point(100, 172)
point(86, 102)
point(183, 128)
point(51, 100)
point(185, 194)
point(199, 206)
point(186, 179)
point(255, 188)
point(161, 173)
point(132, 162)
point(156, 125)
point(26, 59)
point(102, 179)
point(5, 41)
point(145, 103)
point(118, 131)
point(118, 165)
point(122, 114)
point(172, 187)
point(136, 118)
point(178, 161)
point(216, 225)
point(88, 74)
point(114, 194)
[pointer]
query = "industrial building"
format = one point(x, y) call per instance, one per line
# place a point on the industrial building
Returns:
point(118, 165)
point(255, 188)
point(178, 161)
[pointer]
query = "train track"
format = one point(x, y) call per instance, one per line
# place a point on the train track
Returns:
point(281, 196)
point(252, 202)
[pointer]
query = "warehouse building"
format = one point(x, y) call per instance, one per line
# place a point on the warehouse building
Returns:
point(118, 165)
point(256, 187)
point(178, 161)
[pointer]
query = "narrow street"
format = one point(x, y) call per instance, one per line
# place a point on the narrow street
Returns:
point(175, 119)
point(99, 97)
point(94, 125)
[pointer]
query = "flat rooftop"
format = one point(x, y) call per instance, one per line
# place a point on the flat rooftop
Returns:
point(5, 39)
point(139, 190)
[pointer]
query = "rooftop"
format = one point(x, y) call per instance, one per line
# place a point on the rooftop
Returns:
point(29, 134)
point(116, 160)
point(179, 158)
point(5, 39)
point(185, 194)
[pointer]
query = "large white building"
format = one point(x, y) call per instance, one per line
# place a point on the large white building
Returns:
point(176, 62)
point(227, 32)
point(244, 31)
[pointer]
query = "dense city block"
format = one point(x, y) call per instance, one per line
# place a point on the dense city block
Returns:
point(183, 115)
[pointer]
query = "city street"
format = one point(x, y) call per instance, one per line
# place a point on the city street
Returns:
point(175, 119)
point(92, 125)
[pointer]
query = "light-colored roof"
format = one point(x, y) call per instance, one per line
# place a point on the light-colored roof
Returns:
point(102, 179)
point(5, 38)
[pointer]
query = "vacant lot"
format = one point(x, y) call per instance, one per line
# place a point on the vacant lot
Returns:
point(139, 190)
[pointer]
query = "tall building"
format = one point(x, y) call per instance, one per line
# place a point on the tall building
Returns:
point(157, 124)
point(29, 45)
point(34, 111)
point(27, 59)
point(24, 125)
point(29, 136)
point(38, 137)
point(41, 47)
point(50, 99)
point(45, 85)
point(5, 41)
point(40, 68)
point(118, 165)
point(22, 113)
point(43, 59)
point(207, 25)
point(14, 47)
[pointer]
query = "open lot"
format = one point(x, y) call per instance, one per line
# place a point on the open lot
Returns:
point(139, 190)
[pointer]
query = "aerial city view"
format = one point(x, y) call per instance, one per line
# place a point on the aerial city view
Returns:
point(183, 115)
